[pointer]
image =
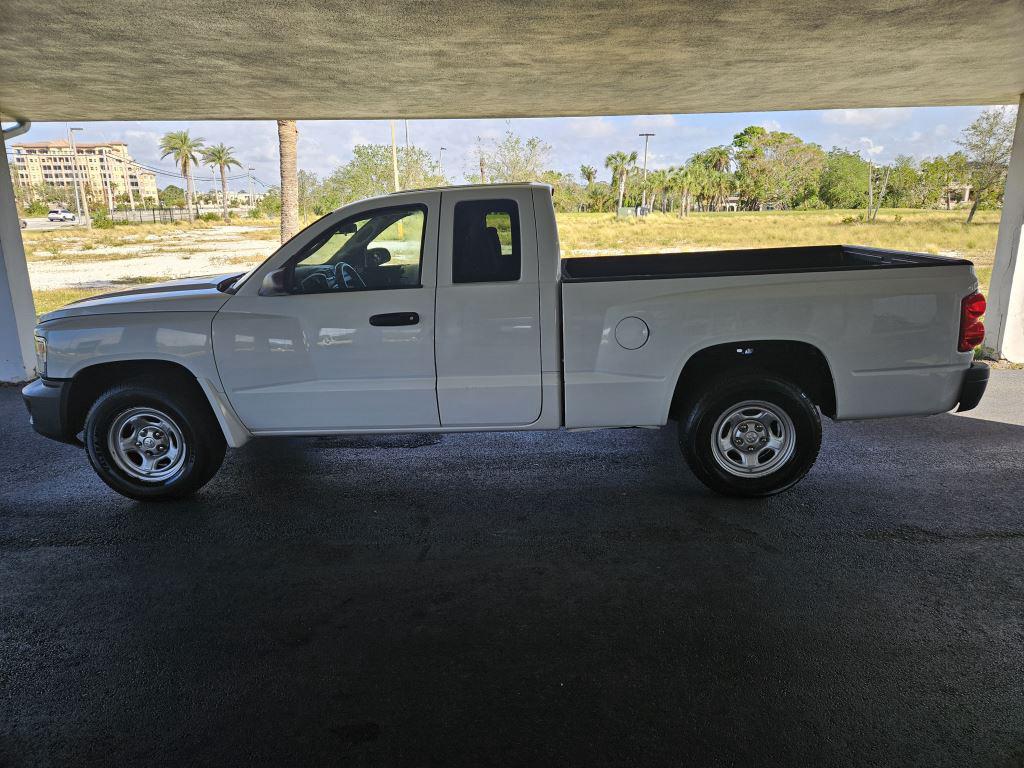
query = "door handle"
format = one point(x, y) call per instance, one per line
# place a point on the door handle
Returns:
point(395, 318)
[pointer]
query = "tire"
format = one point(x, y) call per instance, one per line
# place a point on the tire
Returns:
point(169, 430)
point(750, 435)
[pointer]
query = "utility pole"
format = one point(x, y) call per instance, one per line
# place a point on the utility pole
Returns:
point(407, 136)
point(647, 139)
point(84, 207)
point(252, 196)
point(440, 163)
point(394, 154)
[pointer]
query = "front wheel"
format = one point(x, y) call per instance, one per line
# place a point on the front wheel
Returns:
point(148, 441)
point(750, 435)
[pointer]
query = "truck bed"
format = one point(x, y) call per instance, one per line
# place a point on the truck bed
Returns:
point(751, 261)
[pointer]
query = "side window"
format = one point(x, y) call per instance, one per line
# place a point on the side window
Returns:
point(376, 250)
point(486, 242)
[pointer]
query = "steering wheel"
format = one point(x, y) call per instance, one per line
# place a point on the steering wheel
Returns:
point(319, 280)
point(347, 278)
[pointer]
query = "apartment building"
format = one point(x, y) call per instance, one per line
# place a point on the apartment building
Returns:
point(106, 170)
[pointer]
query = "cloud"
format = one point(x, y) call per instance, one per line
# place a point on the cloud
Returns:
point(646, 122)
point(870, 147)
point(771, 125)
point(868, 118)
point(590, 127)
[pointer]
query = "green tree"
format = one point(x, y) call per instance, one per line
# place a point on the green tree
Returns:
point(942, 176)
point(566, 192)
point(987, 142)
point(776, 167)
point(172, 196)
point(682, 182)
point(844, 180)
point(269, 204)
point(512, 159)
point(221, 157)
point(621, 164)
point(589, 173)
point(712, 182)
point(369, 173)
point(905, 184)
point(185, 152)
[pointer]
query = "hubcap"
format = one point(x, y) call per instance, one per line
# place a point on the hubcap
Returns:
point(753, 439)
point(146, 444)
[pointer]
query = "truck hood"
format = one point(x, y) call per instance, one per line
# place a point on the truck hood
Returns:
point(192, 294)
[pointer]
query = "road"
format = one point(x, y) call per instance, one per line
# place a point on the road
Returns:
point(44, 225)
point(521, 600)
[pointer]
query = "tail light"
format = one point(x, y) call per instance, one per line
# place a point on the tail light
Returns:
point(972, 330)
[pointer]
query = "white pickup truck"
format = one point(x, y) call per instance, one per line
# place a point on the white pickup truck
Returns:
point(450, 310)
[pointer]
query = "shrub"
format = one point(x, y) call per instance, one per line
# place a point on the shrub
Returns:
point(812, 203)
point(37, 208)
point(102, 221)
point(209, 217)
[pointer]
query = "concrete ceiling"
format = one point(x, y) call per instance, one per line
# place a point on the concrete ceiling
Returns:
point(192, 59)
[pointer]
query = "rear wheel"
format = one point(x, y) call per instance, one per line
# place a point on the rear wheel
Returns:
point(149, 442)
point(750, 435)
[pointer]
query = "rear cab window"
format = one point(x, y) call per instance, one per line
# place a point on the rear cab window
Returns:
point(485, 242)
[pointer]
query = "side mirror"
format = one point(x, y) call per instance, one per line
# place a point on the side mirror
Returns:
point(275, 283)
point(377, 256)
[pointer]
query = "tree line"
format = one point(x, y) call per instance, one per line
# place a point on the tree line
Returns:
point(760, 169)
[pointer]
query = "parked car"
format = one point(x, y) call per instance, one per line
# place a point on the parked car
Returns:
point(450, 310)
point(60, 214)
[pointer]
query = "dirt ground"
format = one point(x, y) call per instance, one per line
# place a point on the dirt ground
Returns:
point(74, 262)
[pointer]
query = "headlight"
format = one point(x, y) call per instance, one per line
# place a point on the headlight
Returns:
point(40, 355)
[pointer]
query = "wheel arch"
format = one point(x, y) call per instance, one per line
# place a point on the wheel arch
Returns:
point(90, 382)
point(798, 361)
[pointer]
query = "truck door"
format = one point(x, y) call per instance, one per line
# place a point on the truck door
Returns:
point(350, 346)
point(488, 309)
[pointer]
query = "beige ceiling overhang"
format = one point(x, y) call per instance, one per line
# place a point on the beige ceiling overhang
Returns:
point(170, 60)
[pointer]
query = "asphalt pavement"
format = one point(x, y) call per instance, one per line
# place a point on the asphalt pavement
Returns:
point(565, 599)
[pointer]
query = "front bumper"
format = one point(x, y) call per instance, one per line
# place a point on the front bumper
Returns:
point(47, 403)
point(973, 386)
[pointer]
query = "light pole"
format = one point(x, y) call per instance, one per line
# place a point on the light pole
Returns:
point(83, 212)
point(394, 155)
point(647, 139)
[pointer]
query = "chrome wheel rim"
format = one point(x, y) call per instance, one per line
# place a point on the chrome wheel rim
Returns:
point(753, 439)
point(146, 445)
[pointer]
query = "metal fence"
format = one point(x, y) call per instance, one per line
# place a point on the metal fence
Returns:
point(152, 215)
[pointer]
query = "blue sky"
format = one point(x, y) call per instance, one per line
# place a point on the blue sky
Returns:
point(323, 145)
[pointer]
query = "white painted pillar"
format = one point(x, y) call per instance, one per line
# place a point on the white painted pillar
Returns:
point(1004, 320)
point(17, 310)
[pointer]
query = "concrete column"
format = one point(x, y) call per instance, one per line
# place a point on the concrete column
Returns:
point(1004, 320)
point(17, 310)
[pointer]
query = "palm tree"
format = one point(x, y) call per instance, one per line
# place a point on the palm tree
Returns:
point(657, 184)
point(589, 173)
point(185, 151)
point(682, 181)
point(620, 164)
point(718, 158)
point(222, 157)
point(287, 139)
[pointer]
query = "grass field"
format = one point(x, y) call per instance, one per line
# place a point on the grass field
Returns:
point(97, 261)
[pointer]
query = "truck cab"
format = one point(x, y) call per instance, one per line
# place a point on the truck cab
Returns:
point(418, 311)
